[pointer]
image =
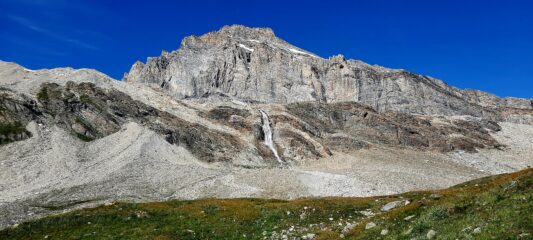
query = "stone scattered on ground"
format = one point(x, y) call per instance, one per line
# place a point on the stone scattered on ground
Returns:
point(367, 213)
point(309, 236)
point(435, 196)
point(391, 205)
point(370, 225)
point(431, 234)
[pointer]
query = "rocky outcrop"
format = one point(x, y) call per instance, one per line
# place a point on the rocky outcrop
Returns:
point(90, 112)
point(292, 132)
point(15, 112)
point(253, 64)
point(492, 101)
point(349, 126)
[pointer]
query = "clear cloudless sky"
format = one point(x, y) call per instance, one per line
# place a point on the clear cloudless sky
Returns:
point(479, 44)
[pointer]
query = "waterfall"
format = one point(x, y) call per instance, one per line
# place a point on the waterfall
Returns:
point(268, 135)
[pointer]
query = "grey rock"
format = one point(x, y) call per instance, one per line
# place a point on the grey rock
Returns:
point(391, 205)
point(490, 100)
point(309, 236)
point(523, 235)
point(253, 64)
point(435, 196)
point(370, 225)
point(348, 228)
point(367, 213)
point(431, 234)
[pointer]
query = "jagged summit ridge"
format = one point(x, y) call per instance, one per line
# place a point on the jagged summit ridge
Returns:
point(239, 31)
point(253, 64)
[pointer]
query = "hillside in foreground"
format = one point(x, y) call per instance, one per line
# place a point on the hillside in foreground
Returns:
point(497, 207)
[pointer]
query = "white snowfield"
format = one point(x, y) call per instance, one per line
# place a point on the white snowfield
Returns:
point(301, 52)
point(136, 164)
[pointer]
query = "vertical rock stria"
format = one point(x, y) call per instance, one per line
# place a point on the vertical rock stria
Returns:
point(252, 64)
point(268, 135)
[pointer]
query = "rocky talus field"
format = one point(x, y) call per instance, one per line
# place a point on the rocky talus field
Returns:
point(241, 135)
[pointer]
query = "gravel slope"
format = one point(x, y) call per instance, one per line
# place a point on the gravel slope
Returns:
point(55, 169)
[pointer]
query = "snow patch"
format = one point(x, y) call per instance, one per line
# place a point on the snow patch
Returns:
point(245, 47)
point(300, 52)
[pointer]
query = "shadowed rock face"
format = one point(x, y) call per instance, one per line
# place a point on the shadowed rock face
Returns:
point(350, 125)
point(15, 112)
point(90, 112)
point(253, 64)
point(300, 130)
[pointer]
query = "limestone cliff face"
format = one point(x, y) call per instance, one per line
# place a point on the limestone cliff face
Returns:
point(253, 64)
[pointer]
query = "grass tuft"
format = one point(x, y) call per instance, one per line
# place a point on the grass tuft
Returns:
point(43, 95)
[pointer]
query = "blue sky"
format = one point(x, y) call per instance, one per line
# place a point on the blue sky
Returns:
point(486, 45)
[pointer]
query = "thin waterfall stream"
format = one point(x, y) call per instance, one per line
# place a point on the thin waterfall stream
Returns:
point(268, 135)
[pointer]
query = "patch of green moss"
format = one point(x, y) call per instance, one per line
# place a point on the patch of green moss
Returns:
point(210, 209)
point(67, 95)
point(84, 137)
point(7, 129)
point(3, 98)
point(43, 94)
point(14, 128)
point(84, 98)
point(87, 126)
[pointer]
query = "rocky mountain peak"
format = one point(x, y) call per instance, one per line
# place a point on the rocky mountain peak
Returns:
point(253, 64)
point(240, 31)
point(228, 34)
